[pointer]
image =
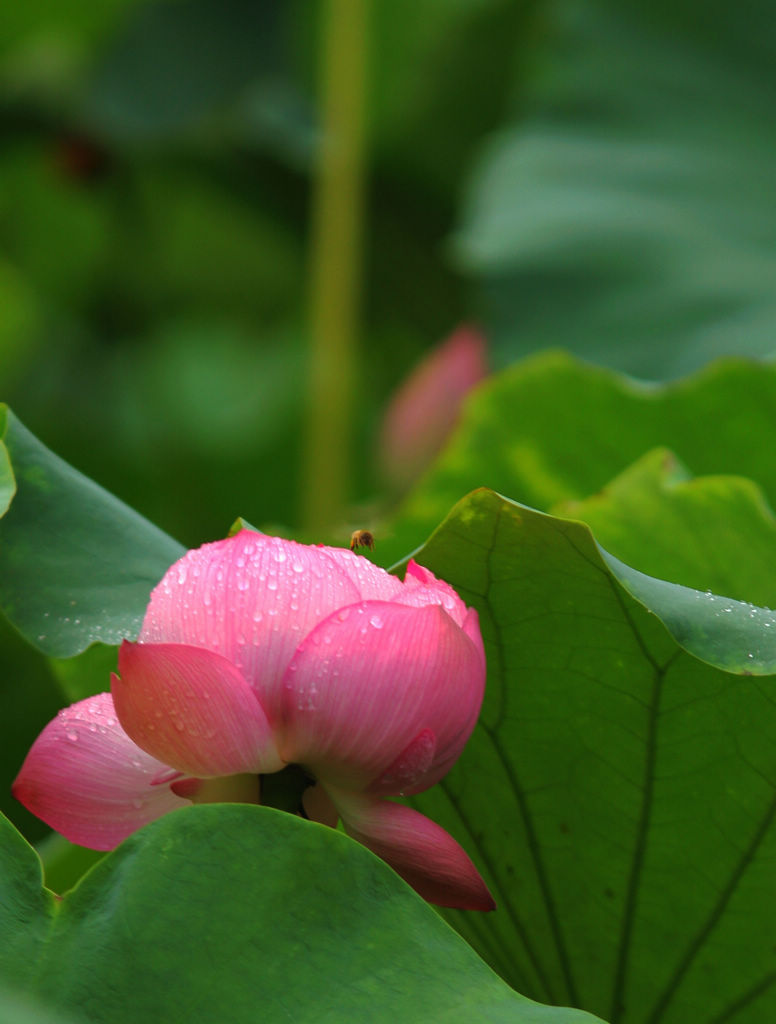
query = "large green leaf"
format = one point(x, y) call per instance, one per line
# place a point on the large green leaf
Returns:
point(22, 1010)
point(713, 533)
point(627, 212)
point(553, 429)
point(29, 697)
point(224, 912)
point(76, 564)
point(618, 791)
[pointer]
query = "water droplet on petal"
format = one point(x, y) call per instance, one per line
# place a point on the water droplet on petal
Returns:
point(72, 736)
point(376, 621)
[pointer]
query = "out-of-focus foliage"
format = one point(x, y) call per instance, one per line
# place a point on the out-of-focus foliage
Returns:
point(627, 211)
point(595, 176)
point(154, 207)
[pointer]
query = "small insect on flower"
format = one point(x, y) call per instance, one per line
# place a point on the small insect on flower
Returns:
point(362, 539)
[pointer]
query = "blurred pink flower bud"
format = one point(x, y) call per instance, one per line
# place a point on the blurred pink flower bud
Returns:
point(257, 653)
point(424, 410)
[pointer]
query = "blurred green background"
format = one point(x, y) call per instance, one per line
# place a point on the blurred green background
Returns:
point(595, 176)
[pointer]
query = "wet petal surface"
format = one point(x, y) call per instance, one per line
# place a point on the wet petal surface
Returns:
point(86, 778)
point(371, 678)
point(192, 709)
point(418, 849)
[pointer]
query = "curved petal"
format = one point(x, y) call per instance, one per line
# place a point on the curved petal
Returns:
point(424, 410)
point(192, 709)
point(371, 582)
point(251, 598)
point(422, 587)
point(86, 778)
point(368, 680)
point(418, 849)
point(409, 768)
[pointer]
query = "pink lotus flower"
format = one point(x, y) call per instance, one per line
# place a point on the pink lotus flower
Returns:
point(427, 405)
point(258, 653)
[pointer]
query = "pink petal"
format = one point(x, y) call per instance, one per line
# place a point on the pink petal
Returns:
point(421, 587)
point(371, 582)
point(86, 778)
point(368, 680)
point(425, 409)
point(192, 709)
point(251, 598)
point(410, 767)
point(418, 849)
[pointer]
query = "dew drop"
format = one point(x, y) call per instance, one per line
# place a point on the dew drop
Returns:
point(72, 736)
point(376, 621)
point(137, 802)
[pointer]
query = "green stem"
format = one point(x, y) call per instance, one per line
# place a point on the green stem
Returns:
point(335, 278)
